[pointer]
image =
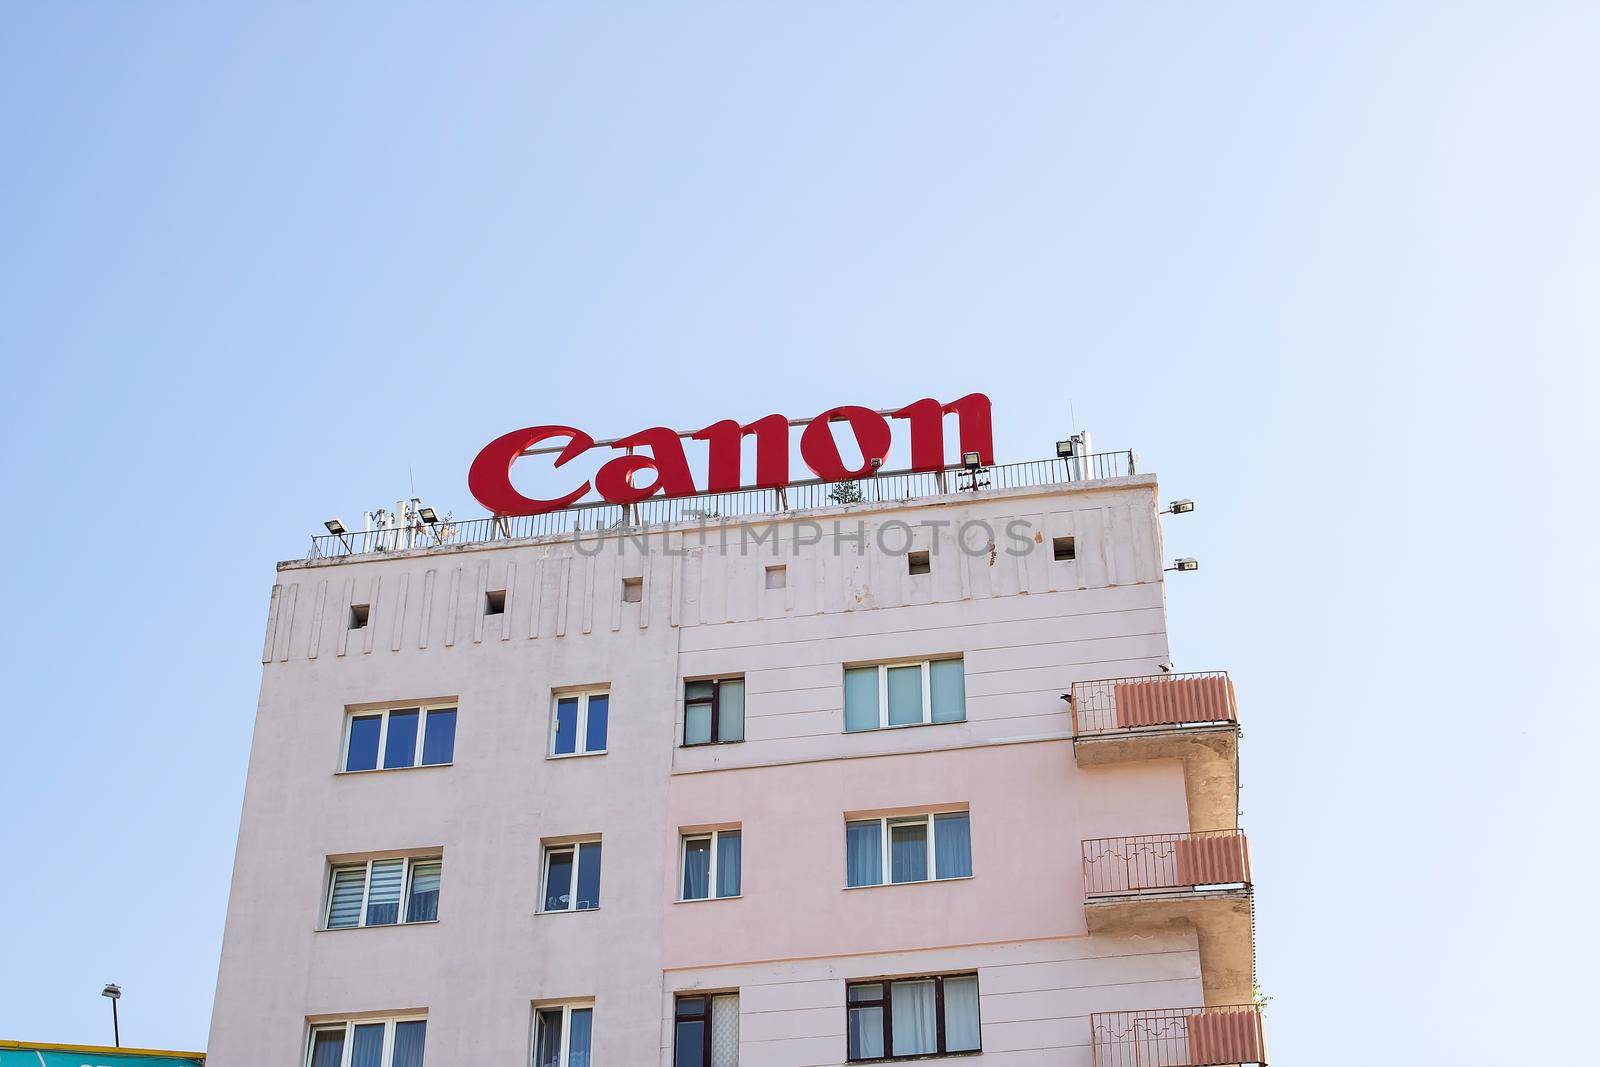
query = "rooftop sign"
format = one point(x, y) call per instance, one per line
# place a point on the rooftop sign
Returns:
point(667, 466)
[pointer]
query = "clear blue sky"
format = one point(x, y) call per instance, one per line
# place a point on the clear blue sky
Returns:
point(1332, 271)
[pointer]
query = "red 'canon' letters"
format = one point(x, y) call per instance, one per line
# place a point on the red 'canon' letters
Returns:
point(490, 476)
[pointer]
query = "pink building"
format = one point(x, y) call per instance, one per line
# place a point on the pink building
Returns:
point(766, 791)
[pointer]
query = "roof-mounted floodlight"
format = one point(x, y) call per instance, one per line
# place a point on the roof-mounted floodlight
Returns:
point(971, 461)
point(1185, 564)
point(335, 527)
point(1066, 449)
point(428, 515)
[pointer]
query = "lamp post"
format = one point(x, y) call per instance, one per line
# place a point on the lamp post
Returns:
point(114, 991)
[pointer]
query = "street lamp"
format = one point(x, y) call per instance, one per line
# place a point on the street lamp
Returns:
point(114, 991)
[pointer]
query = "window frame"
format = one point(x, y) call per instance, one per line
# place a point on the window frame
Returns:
point(926, 665)
point(390, 1022)
point(886, 846)
point(710, 997)
point(566, 1007)
point(886, 1003)
point(383, 713)
point(716, 711)
point(406, 874)
point(574, 846)
point(715, 836)
point(583, 697)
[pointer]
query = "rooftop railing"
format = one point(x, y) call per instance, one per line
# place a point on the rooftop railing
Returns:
point(1158, 700)
point(1179, 1037)
point(885, 486)
point(1129, 866)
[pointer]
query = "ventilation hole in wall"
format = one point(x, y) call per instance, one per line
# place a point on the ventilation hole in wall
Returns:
point(777, 576)
point(1064, 548)
point(358, 616)
point(632, 590)
point(918, 563)
point(494, 603)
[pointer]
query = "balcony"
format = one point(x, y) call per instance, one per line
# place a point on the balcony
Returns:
point(1189, 717)
point(1201, 881)
point(1179, 1037)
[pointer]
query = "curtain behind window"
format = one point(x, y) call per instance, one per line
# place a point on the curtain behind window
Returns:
point(548, 1054)
point(423, 905)
point(697, 869)
point(408, 1040)
point(729, 861)
point(383, 894)
point(863, 853)
point(327, 1048)
point(725, 1031)
point(730, 711)
point(914, 1018)
point(366, 1050)
point(952, 845)
point(961, 1014)
point(348, 885)
point(908, 851)
point(905, 695)
point(578, 1044)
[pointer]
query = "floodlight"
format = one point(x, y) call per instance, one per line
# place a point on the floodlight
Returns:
point(971, 460)
point(1065, 449)
point(112, 990)
point(1185, 564)
point(1180, 507)
point(335, 527)
point(428, 515)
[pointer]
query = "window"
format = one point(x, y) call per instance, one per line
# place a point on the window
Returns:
point(713, 711)
point(367, 1043)
point(912, 1017)
point(903, 846)
point(359, 613)
point(706, 1030)
point(905, 694)
point(1064, 548)
point(918, 563)
point(383, 892)
point(572, 876)
point(494, 602)
point(777, 576)
point(404, 737)
point(578, 723)
point(712, 865)
point(632, 590)
point(562, 1034)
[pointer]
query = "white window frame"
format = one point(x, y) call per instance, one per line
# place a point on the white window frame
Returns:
point(566, 1008)
point(366, 889)
point(927, 691)
point(422, 711)
point(583, 696)
point(349, 1028)
point(572, 885)
point(886, 853)
point(715, 837)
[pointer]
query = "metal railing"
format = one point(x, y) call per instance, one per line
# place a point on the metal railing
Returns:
point(1179, 1037)
point(1156, 700)
point(893, 486)
point(1129, 866)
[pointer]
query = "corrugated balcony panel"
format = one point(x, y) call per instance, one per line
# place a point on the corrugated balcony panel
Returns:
point(1179, 1037)
point(1152, 862)
point(1159, 702)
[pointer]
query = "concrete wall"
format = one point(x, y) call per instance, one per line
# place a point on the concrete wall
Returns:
point(1026, 626)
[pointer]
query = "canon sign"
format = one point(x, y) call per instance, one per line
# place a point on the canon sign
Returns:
point(617, 481)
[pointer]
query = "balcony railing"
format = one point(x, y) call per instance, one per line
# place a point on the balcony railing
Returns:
point(1161, 700)
point(1179, 1037)
point(1123, 866)
point(885, 486)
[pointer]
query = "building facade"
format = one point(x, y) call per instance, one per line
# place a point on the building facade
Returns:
point(870, 781)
